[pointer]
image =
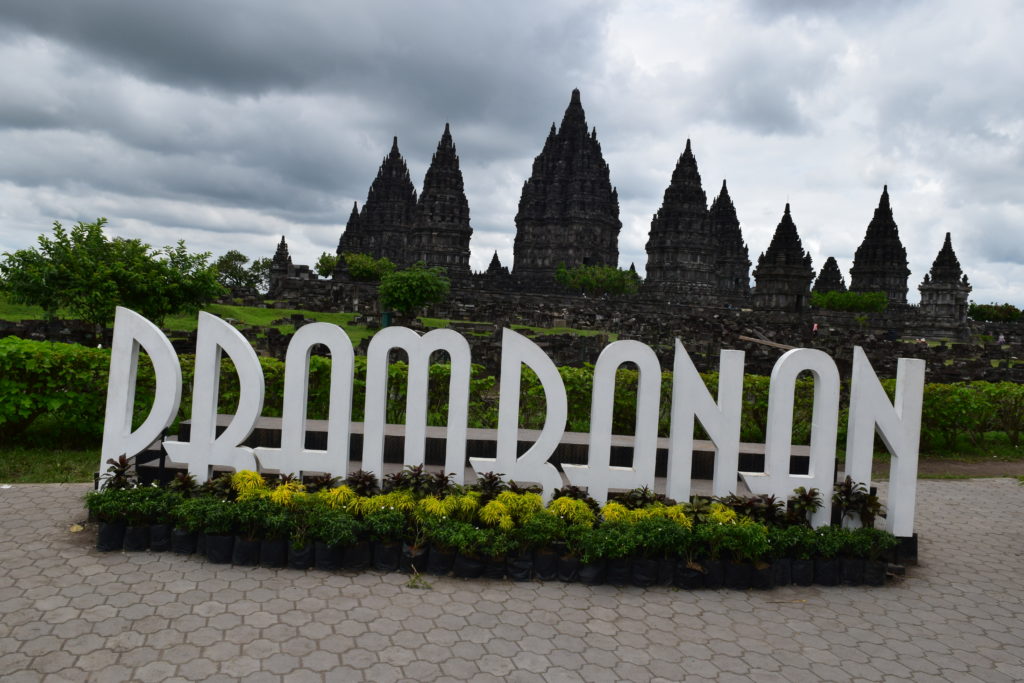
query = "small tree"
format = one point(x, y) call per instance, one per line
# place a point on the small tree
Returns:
point(88, 275)
point(410, 289)
point(233, 273)
point(326, 264)
point(365, 268)
point(858, 302)
point(598, 280)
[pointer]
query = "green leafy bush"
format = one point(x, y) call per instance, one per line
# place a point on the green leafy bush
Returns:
point(598, 280)
point(993, 312)
point(365, 268)
point(411, 289)
point(858, 302)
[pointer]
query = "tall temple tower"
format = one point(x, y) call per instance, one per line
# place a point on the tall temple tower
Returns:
point(945, 288)
point(681, 249)
point(383, 226)
point(441, 232)
point(830, 279)
point(880, 263)
point(784, 273)
point(568, 211)
point(733, 263)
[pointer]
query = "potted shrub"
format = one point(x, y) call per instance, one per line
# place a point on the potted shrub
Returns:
point(385, 528)
point(274, 537)
point(655, 536)
point(746, 544)
point(333, 530)
point(829, 542)
point(708, 539)
point(303, 513)
point(251, 515)
point(802, 504)
point(219, 530)
point(577, 512)
point(781, 543)
point(590, 545)
point(140, 512)
point(495, 547)
point(618, 545)
point(469, 543)
point(443, 534)
point(804, 541)
point(160, 530)
point(108, 508)
point(872, 545)
point(535, 539)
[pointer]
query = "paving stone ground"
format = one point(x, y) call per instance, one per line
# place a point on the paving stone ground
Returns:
point(68, 612)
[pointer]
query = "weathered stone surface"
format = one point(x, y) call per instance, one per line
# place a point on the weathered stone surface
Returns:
point(441, 234)
point(880, 263)
point(945, 288)
point(829, 279)
point(784, 273)
point(569, 211)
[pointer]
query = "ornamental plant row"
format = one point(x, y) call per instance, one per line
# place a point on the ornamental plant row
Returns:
point(63, 381)
point(419, 522)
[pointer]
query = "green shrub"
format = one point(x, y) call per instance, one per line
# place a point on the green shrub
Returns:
point(858, 302)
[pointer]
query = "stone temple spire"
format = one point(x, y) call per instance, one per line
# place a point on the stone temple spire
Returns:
point(945, 288)
point(681, 248)
point(568, 211)
point(350, 237)
point(388, 214)
point(784, 273)
point(733, 263)
point(830, 279)
point(880, 263)
point(442, 232)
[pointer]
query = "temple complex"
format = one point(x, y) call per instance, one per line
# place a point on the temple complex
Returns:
point(568, 214)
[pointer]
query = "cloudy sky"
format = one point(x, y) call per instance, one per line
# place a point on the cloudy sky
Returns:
point(230, 123)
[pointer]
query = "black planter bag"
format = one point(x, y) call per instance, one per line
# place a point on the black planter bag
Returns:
point(160, 538)
point(714, 573)
point(136, 538)
point(738, 575)
point(301, 558)
point(439, 562)
point(494, 567)
point(826, 571)
point(666, 570)
point(762, 578)
point(618, 571)
point(782, 569)
point(219, 548)
point(802, 572)
point(467, 567)
point(274, 553)
point(644, 572)
point(852, 571)
point(687, 577)
point(593, 573)
point(328, 558)
point(519, 567)
point(357, 556)
point(201, 543)
point(874, 572)
point(387, 556)
point(183, 542)
point(568, 568)
point(414, 559)
point(246, 552)
point(110, 536)
point(545, 564)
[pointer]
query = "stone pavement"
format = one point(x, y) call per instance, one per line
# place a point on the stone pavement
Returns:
point(68, 612)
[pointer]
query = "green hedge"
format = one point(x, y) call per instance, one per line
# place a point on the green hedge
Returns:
point(66, 384)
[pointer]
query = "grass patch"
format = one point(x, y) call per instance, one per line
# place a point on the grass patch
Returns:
point(23, 465)
point(612, 336)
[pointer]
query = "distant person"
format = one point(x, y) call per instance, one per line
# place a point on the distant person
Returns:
point(1002, 339)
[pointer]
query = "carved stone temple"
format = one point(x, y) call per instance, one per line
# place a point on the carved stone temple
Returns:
point(568, 214)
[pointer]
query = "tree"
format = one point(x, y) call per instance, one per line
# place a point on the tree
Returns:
point(412, 288)
point(87, 275)
point(365, 268)
point(233, 273)
point(597, 280)
point(326, 264)
point(858, 302)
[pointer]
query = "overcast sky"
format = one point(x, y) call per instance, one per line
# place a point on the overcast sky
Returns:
point(231, 123)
